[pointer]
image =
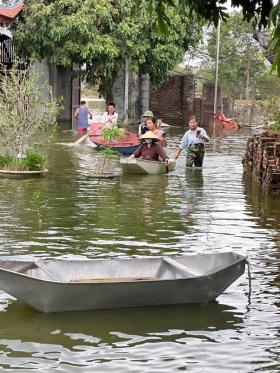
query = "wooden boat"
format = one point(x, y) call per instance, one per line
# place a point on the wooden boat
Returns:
point(73, 285)
point(165, 125)
point(125, 145)
point(228, 123)
point(142, 166)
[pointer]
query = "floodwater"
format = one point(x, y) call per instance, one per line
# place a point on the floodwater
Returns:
point(70, 213)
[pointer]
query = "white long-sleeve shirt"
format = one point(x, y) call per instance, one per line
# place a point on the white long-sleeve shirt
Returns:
point(190, 138)
point(105, 119)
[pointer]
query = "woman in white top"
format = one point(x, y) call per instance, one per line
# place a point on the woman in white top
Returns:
point(110, 117)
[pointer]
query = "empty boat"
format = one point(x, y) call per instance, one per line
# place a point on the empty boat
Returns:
point(74, 285)
point(142, 166)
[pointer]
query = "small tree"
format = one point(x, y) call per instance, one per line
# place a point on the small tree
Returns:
point(26, 118)
point(110, 135)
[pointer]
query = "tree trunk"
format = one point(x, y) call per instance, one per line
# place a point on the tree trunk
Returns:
point(248, 74)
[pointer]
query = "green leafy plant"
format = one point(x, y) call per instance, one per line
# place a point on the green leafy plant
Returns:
point(273, 117)
point(111, 134)
point(108, 153)
point(34, 161)
point(6, 160)
point(31, 162)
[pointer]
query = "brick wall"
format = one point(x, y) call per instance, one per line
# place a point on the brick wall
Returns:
point(262, 160)
point(174, 99)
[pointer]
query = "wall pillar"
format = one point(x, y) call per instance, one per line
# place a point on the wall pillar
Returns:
point(207, 107)
point(188, 97)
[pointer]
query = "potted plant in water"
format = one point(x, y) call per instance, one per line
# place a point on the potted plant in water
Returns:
point(26, 120)
point(107, 168)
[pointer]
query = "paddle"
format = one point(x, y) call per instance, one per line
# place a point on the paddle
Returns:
point(80, 140)
point(166, 167)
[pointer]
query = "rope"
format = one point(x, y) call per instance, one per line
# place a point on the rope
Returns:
point(250, 281)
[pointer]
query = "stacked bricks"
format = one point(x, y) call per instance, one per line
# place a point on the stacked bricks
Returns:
point(262, 160)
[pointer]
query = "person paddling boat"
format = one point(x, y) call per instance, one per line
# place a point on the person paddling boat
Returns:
point(150, 148)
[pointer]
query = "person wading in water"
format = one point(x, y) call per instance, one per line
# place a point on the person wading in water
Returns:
point(81, 115)
point(193, 141)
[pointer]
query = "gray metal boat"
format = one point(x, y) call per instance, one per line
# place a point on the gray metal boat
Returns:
point(73, 285)
point(142, 166)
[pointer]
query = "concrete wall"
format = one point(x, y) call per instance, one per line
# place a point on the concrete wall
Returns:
point(138, 95)
point(64, 84)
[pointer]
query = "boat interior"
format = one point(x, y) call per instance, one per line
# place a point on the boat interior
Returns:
point(122, 270)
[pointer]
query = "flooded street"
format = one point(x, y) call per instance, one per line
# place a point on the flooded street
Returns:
point(70, 213)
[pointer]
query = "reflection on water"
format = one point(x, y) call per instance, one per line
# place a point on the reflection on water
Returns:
point(70, 212)
point(99, 324)
point(111, 336)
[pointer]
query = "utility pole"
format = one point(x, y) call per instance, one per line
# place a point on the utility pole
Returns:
point(217, 67)
point(126, 85)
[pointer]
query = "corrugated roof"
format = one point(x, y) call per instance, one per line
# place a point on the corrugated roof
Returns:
point(11, 12)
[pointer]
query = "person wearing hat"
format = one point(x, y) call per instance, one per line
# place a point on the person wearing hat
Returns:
point(150, 148)
point(148, 114)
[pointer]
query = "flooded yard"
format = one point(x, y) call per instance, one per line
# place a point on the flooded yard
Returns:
point(69, 213)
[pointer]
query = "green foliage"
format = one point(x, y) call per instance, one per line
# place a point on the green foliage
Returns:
point(31, 162)
point(213, 10)
point(109, 153)
point(34, 161)
point(112, 133)
point(103, 34)
point(6, 160)
point(273, 117)
point(242, 64)
point(274, 46)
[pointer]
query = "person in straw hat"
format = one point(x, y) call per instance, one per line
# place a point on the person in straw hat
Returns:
point(148, 114)
point(150, 148)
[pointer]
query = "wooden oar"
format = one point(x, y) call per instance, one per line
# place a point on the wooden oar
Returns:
point(166, 167)
point(80, 140)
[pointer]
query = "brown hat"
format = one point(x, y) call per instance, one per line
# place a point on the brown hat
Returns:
point(150, 135)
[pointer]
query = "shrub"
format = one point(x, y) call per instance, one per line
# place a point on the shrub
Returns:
point(25, 116)
point(273, 117)
point(6, 160)
point(34, 161)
